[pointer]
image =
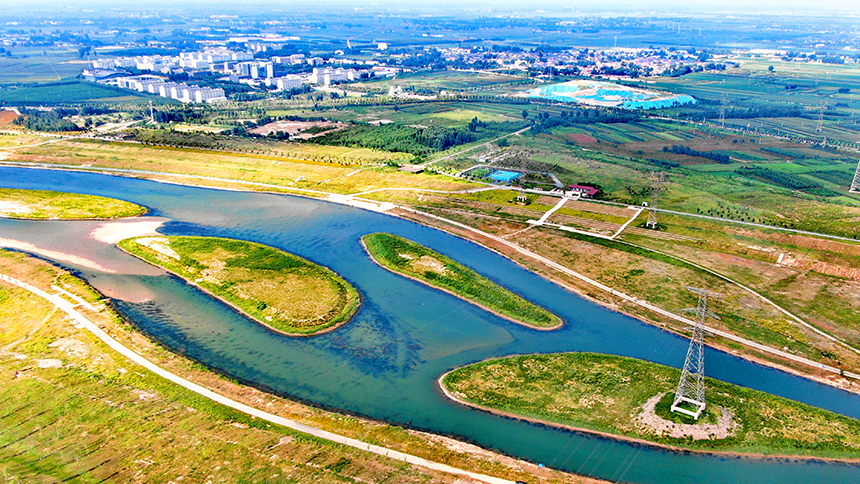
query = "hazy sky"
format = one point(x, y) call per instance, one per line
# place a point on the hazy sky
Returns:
point(769, 6)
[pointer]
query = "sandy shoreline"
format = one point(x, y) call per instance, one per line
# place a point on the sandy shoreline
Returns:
point(448, 394)
point(113, 232)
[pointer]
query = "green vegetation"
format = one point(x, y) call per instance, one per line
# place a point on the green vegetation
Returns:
point(280, 290)
point(414, 139)
point(65, 394)
point(67, 92)
point(605, 393)
point(43, 204)
point(418, 262)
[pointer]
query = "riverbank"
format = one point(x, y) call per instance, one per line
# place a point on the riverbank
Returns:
point(281, 291)
point(419, 263)
point(51, 205)
point(610, 396)
point(814, 370)
point(57, 374)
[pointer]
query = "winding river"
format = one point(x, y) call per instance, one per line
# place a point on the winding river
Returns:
point(385, 362)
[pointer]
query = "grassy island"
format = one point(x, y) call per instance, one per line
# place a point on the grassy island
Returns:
point(44, 205)
point(616, 396)
point(280, 290)
point(422, 264)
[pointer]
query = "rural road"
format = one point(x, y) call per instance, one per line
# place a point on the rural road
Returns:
point(637, 301)
point(82, 322)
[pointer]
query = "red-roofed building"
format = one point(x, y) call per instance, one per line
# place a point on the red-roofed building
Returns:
point(583, 191)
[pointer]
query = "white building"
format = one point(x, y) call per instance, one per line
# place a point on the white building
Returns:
point(181, 92)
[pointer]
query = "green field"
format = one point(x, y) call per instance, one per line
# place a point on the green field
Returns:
point(70, 92)
point(452, 80)
point(43, 205)
point(606, 393)
point(277, 289)
point(418, 262)
point(39, 64)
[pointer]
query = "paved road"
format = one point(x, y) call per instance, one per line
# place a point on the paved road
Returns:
point(519, 249)
point(637, 301)
point(82, 322)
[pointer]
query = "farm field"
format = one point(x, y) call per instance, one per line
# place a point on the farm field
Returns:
point(69, 92)
point(450, 80)
point(34, 64)
point(611, 394)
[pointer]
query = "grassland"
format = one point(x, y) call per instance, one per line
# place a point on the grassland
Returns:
point(283, 171)
point(43, 204)
point(279, 290)
point(745, 255)
point(418, 262)
point(75, 410)
point(605, 393)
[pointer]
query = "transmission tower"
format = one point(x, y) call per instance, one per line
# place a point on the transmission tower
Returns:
point(657, 182)
point(723, 111)
point(691, 388)
point(820, 126)
point(855, 185)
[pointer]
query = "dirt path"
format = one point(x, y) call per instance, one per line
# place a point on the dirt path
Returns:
point(82, 322)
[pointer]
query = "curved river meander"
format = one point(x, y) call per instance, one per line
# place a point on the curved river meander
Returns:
point(385, 362)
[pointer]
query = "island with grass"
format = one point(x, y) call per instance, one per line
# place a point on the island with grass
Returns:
point(282, 291)
point(50, 205)
point(407, 258)
point(630, 399)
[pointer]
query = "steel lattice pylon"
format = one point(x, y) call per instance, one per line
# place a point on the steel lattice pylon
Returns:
point(657, 181)
point(691, 388)
point(855, 185)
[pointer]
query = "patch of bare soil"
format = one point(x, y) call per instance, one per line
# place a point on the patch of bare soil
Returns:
point(297, 129)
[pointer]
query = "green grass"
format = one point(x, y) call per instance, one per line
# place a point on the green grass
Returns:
point(101, 418)
point(605, 393)
point(43, 205)
point(69, 92)
point(418, 262)
point(277, 289)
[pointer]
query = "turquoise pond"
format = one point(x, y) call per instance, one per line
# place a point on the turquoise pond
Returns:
point(385, 362)
point(505, 176)
point(605, 92)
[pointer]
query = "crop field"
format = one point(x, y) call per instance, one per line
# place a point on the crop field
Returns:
point(70, 92)
point(607, 394)
point(451, 80)
point(35, 64)
point(624, 179)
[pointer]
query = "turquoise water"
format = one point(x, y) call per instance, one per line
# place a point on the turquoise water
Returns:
point(606, 92)
point(385, 362)
point(505, 176)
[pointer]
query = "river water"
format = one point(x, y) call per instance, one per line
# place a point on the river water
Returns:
point(385, 362)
